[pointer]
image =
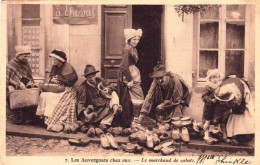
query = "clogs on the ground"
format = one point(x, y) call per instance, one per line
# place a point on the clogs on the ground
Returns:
point(209, 140)
point(112, 141)
point(167, 150)
point(165, 136)
point(103, 127)
point(84, 129)
point(98, 132)
point(117, 131)
point(110, 129)
point(149, 141)
point(156, 139)
point(91, 132)
point(163, 144)
point(185, 118)
point(79, 142)
point(177, 123)
point(104, 141)
point(129, 147)
point(176, 118)
point(176, 134)
point(186, 123)
point(185, 137)
point(126, 131)
point(138, 149)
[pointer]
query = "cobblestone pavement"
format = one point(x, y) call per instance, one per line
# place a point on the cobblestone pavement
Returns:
point(24, 146)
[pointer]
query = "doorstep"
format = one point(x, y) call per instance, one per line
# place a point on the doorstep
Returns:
point(194, 144)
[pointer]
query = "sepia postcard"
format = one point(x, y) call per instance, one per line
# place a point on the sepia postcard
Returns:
point(129, 82)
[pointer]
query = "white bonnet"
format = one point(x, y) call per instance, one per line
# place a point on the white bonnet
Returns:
point(130, 33)
point(23, 49)
point(213, 71)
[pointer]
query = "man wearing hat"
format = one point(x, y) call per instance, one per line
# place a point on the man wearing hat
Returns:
point(166, 97)
point(97, 101)
point(18, 75)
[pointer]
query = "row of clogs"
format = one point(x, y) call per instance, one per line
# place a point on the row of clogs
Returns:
point(184, 135)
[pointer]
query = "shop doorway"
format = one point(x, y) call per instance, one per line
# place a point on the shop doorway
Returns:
point(149, 19)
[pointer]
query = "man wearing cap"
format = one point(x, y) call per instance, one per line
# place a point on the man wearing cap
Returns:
point(166, 97)
point(97, 101)
point(18, 75)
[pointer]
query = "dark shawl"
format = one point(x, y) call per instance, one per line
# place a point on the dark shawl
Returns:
point(18, 71)
point(66, 74)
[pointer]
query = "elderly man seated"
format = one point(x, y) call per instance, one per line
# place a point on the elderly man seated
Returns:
point(18, 76)
point(97, 102)
point(166, 97)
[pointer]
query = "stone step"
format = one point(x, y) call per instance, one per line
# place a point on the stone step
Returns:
point(194, 144)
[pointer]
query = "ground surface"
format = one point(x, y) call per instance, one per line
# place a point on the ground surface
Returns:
point(24, 146)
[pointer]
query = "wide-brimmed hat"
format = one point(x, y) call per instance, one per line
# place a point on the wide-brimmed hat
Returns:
point(23, 49)
point(158, 71)
point(89, 69)
point(58, 54)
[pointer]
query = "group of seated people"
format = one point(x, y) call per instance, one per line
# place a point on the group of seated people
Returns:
point(96, 103)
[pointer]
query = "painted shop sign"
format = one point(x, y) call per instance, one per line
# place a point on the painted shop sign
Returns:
point(75, 14)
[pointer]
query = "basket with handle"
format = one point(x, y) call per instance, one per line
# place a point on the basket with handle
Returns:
point(24, 98)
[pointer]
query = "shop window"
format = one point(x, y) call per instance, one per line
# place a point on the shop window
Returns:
point(222, 40)
point(31, 34)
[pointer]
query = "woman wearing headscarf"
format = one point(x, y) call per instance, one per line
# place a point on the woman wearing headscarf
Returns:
point(18, 76)
point(59, 109)
point(131, 78)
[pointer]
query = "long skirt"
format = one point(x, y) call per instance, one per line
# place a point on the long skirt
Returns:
point(58, 106)
point(240, 124)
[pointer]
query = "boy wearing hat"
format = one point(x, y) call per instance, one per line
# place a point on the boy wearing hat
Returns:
point(18, 75)
point(96, 106)
point(166, 97)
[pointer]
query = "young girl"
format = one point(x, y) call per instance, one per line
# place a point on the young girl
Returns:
point(214, 79)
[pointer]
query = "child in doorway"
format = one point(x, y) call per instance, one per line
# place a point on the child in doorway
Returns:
point(214, 79)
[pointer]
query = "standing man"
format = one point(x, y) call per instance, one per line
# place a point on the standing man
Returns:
point(18, 76)
point(97, 101)
point(166, 97)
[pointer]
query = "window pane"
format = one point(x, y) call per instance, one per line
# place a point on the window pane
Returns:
point(211, 13)
point(235, 35)
point(209, 35)
point(235, 63)
point(30, 11)
point(207, 60)
point(236, 11)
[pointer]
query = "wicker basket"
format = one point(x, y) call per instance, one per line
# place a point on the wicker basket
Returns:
point(24, 98)
point(55, 88)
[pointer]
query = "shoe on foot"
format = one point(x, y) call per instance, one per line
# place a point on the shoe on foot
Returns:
point(234, 142)
point(104, 141)
point(112, 141)
point(117, 131)
point(126, 132)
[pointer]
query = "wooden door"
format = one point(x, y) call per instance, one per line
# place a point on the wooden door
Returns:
point(115, 19)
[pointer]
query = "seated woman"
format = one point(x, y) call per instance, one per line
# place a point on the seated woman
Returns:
point(59, 109)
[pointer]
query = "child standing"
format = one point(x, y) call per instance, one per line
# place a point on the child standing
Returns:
point(214, 79)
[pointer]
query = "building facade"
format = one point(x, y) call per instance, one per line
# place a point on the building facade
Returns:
point(189, 45)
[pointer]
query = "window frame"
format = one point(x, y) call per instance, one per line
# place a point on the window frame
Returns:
point(221, 42)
